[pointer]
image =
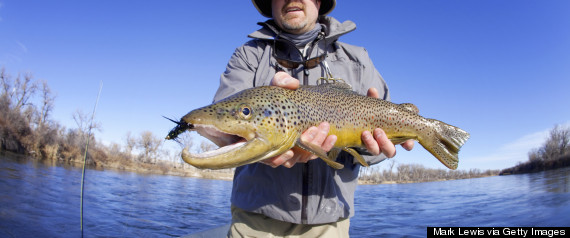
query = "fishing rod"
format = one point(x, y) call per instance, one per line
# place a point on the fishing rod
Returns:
point(85, 156)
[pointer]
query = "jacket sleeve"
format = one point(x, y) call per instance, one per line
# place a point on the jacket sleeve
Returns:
point(372, 78)
point(240, 71)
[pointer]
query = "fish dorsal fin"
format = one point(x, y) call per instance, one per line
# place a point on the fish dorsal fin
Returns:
point(410, 107)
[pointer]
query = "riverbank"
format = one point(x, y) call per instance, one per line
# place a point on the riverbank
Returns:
point(167, 168)
point(533, 166)
point(416, 173)
point(553, 154)
point(404, 173)
point(126, 165)
point(368, 182)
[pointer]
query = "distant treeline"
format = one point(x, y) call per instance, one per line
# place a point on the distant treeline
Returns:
point(26, 127)
point(553, 154)
point(411, 173)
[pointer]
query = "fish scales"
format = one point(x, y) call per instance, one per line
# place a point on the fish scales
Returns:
point(263, 122)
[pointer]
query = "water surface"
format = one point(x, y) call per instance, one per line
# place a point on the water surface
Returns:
point(39, 199)
point(539, 199)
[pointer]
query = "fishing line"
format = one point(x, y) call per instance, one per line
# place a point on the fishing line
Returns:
point(85, 156)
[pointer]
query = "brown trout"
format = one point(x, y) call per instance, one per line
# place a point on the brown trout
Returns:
point(263, 122)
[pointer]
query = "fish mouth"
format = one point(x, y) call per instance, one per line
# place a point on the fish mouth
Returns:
point(236, 149)
point(225, 141)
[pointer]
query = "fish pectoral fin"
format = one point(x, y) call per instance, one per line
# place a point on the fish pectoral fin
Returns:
point(356, 155)
point(318, 151)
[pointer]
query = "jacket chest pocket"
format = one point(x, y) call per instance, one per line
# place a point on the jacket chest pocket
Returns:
point(349, 71)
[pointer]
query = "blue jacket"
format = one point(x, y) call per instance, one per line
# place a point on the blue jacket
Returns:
point(313, 192)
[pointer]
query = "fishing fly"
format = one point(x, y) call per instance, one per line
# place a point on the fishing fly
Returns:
point(177, 130)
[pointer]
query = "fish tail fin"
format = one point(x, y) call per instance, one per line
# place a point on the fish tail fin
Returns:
point(444, 142)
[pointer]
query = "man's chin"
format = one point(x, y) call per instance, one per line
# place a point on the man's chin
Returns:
point(294, 25)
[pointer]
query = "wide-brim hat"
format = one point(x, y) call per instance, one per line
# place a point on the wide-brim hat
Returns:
point(264, 7)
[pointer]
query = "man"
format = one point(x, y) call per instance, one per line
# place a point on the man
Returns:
point(293, 194)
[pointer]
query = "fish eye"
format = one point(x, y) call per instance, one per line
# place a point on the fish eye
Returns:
point(245, 111)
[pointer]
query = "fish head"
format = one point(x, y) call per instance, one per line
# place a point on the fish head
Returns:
point(248, 127)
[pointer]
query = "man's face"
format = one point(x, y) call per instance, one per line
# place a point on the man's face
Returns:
point(296, 16)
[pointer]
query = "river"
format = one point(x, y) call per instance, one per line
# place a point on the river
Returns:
point(43, 200)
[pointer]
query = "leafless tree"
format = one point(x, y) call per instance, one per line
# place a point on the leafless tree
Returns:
point(559, 141)
point(130, 143)
point(207, 146)
point(150, 146)
point(390, 172)
point(47, 104)
point(185, 140)
point(555, 146)
point(23, 90)
point(84, 123)
point(5, 83)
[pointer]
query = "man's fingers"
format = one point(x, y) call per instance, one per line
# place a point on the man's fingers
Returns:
point(322, 132)
point(386, 146)
point(309, 135)
point(373, 93)
point(329, 143)
point(284, 80)
point(302, 155)
point(279, 160)
point(408, 145)
point(290, 162)
point(315, 135)
point(370, 143)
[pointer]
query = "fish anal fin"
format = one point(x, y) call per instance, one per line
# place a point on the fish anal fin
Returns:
point(401, 139)
point(356, 155)
point(334, 152)
point(318, 151)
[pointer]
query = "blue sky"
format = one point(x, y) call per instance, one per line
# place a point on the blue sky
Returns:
point(498, 69)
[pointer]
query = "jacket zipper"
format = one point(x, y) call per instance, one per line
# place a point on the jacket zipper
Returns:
point(305, 172)
point(305, 193)
point(306, 167)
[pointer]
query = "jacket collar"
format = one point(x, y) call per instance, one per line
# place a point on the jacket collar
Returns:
point(333, 29)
